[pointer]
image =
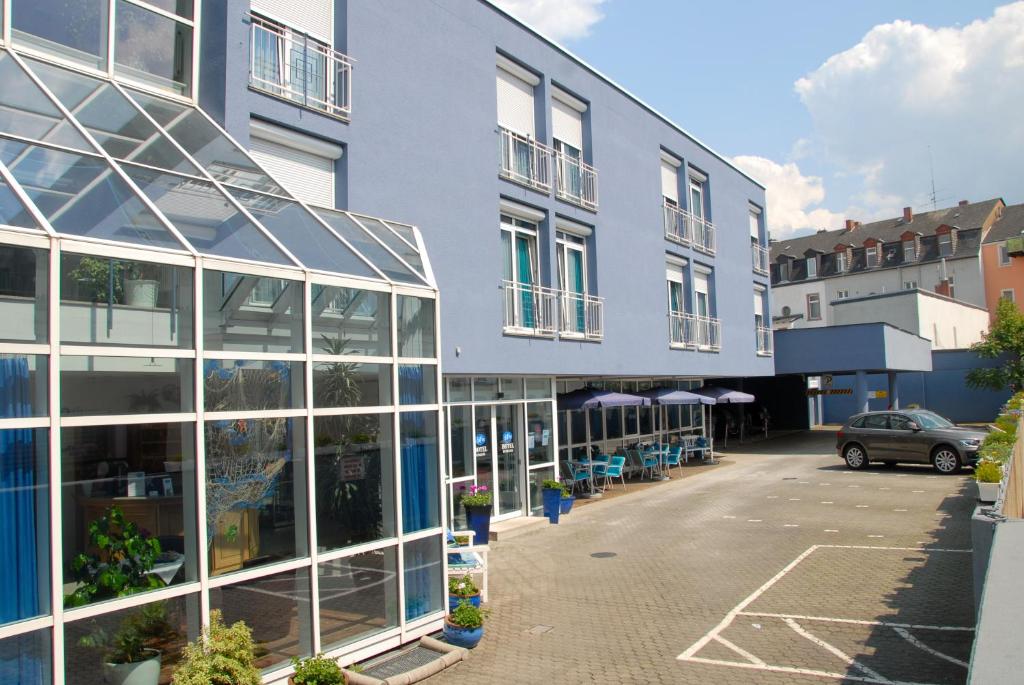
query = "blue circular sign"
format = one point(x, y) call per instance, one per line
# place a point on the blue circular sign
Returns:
point(506, 436)
point(481, 439)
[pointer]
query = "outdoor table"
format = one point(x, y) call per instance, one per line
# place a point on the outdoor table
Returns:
point(589, 466)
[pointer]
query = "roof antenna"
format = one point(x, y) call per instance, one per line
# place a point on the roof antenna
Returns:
point(931, 168)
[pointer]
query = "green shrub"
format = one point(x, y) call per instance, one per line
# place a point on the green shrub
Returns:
point(221, 656)
point(988, 472)
point(317, 670)
point(1007, 423)
point(997, 452)
point(549, 484)
point(462, 586)
point(466, 616)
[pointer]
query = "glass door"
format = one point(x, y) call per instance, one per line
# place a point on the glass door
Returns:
point(508, 472)
point(483, 450)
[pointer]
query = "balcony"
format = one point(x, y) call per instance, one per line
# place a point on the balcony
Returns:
point(582, 316)
point(764, 341)
point(703, 232)
point(690, 331)
point(529, 309)
point(576, 181)
point(524, 160)
point(293, 66)
point(759, 255)
point(677, 224)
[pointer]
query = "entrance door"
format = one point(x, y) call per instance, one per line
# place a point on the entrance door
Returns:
point(508, 460)
point(484, 449)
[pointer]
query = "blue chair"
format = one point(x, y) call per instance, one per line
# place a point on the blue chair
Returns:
point(601, 462)
point(614, 470)
point(580, 474)
point(649, 462)
point(673, 456)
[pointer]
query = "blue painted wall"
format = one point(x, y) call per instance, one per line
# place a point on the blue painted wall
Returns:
point(422, 148)
point(943, 390)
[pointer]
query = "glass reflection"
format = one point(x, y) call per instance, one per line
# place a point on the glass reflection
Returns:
point(153, 48)
point(25, 659)
point(358, 596)
point(389, 238)
point(12, 212)
point(424, 582)
point(255, 492)
point(24, 287)
point(245, 385)
point(344, 384)
point(417, 384)
point(125, 385)
point(246, 313)
point(537, 478)
point(539, 438)
point(355, 479)
point(367, 246)
point(415, 326)
point(421, 506)
point(24, 527)
point(75, 31)
point(351, 321)
point(463, 439)
point(121, 302)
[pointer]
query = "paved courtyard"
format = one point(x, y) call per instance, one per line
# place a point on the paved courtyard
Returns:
point(780, 567)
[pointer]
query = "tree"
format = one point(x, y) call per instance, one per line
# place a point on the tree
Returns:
point(1005, 341)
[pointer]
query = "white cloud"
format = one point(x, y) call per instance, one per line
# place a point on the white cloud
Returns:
point(557, 19)
point(793, 199)
point(878, 107)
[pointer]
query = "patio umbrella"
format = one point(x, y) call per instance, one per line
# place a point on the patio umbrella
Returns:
point(595, 398)
point(670, 396)
point(722, 396)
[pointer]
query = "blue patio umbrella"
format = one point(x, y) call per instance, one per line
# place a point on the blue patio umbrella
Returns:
point(670, 396)
point(722, 396)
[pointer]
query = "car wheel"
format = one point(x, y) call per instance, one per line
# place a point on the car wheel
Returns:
point(855, 456)
point(946, 460)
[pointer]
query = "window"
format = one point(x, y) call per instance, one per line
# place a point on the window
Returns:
point(841, 261)
point(813, 307)
point(305, 165)
point(567, 135)
point(675, 274)
point(876, 421)
point(755, 226)
point(1004, 254)
point(910, 285)
point(908, 251)
point(759, 308)
point(945, 244)
point(520, 270)
point(952, 284)
point(842, 294)
point(670, 180)
point(784, 270)
point(812, 267)
point(1007, 294)
point(871, 255)
point(696, 198)
point(786, 311)
point(899, 422)
point(702, 292)
point(572, 281)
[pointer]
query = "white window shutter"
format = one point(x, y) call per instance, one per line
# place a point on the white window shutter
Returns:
point(307, 176)
point(566, 124)
point(755, 231)
point(669, 182)
point(700, 282)
point(674, 272)
point(759, 302)
point(315, 17)
point(515, 104)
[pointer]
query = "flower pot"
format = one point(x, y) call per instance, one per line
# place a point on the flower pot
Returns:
point(453, 601)
point(462, 637)
point(479, 520)
point(552, 503)
point(141, 292)
point(565, 506)
point(988, 492)
point(136, 673)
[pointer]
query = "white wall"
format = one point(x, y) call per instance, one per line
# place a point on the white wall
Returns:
point(948, 324)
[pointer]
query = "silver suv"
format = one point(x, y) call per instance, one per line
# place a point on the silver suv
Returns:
point(916, 436)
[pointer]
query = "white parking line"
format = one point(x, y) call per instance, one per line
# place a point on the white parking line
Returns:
point(862, 506)
point(742, 652)
point(831, 530)
point(754, 520)
point(857, 621)
point(902, 632)
point(828, 502)
point(790, 525)
point(899, 509)
point(835, 651)
point(794, 499)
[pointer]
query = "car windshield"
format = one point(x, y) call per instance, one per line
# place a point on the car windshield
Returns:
point(928, 419)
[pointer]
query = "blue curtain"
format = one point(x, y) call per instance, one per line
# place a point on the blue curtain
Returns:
point(525, 279)
point(423, 584)
point(19, 590)
point(521, 159)
point(577, 284)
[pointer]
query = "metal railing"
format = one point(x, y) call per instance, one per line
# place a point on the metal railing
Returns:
point(764, 341)
point(524, 160)
point(293, 65)
point(703, 232)
point(576, 181)
point(529, 309)
point(582, 315)
point(695, 332)
point(759, 256)
point(677, 224)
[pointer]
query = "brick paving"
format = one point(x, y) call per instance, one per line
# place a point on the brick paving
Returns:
point(688, 551)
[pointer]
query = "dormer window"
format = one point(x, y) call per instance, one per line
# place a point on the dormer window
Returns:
point(841, 261)
point(812, 267)
point(871, 255)
point(945, 244)
point(909, 252)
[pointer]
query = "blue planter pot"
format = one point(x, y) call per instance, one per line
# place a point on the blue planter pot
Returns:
point(566, 504)
point(552, 503)
point(462, 637)
point(453, 601)
point(479, 520)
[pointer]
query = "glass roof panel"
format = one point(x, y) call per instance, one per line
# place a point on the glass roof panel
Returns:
point(224, 160)
point(404, 231)
point(81, 195)
point(116, 123)
point(399, 246)
point(302, 234)
point(210, 222)
point(12, 212)
point(367, 246)
point(27, 112)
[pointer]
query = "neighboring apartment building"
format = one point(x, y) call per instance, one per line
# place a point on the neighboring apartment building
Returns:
point(1003, 257)
point(938, 251)
point(299, 456)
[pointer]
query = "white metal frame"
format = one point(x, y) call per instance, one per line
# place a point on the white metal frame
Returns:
point(565, 165)
point(569, 300)
point(759, 256)
point(538, 175)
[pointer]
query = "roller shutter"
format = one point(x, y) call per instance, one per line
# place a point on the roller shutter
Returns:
point(515, 104)
point(315, 17)
point(308, 176)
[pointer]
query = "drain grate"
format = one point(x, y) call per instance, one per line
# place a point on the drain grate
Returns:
point(604, 555)
point(403, 662)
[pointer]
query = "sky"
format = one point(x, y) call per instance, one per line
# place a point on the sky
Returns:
point(841, 109)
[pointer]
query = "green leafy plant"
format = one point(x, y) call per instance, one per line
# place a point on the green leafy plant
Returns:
point(121, 565)
point(134, 638)
point(96, 276)
point(475, 496)
point(565, 493)
point(467, 616)
point(549, 484)
point(317, 670)
point(1005, 341)
point(462, 586)
point(987, 472)
point(221, 656)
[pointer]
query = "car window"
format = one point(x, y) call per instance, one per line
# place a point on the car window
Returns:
point(929, 419)
point(876, 421)
point(857, 423)
point(898, 422)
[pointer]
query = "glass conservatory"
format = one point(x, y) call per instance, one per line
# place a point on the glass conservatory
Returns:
point(212, 395)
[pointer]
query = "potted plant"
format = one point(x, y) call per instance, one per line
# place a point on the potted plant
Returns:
point(126, 658)
point(221, 655)
point(465, 626)
point(568, 499)
point(462, 589)
point(551, 494)
point(141, 284)
point(988, 475)
point(316, 670)
point(477, 501)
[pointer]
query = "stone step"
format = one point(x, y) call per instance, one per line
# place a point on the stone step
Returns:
point(510, 528)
